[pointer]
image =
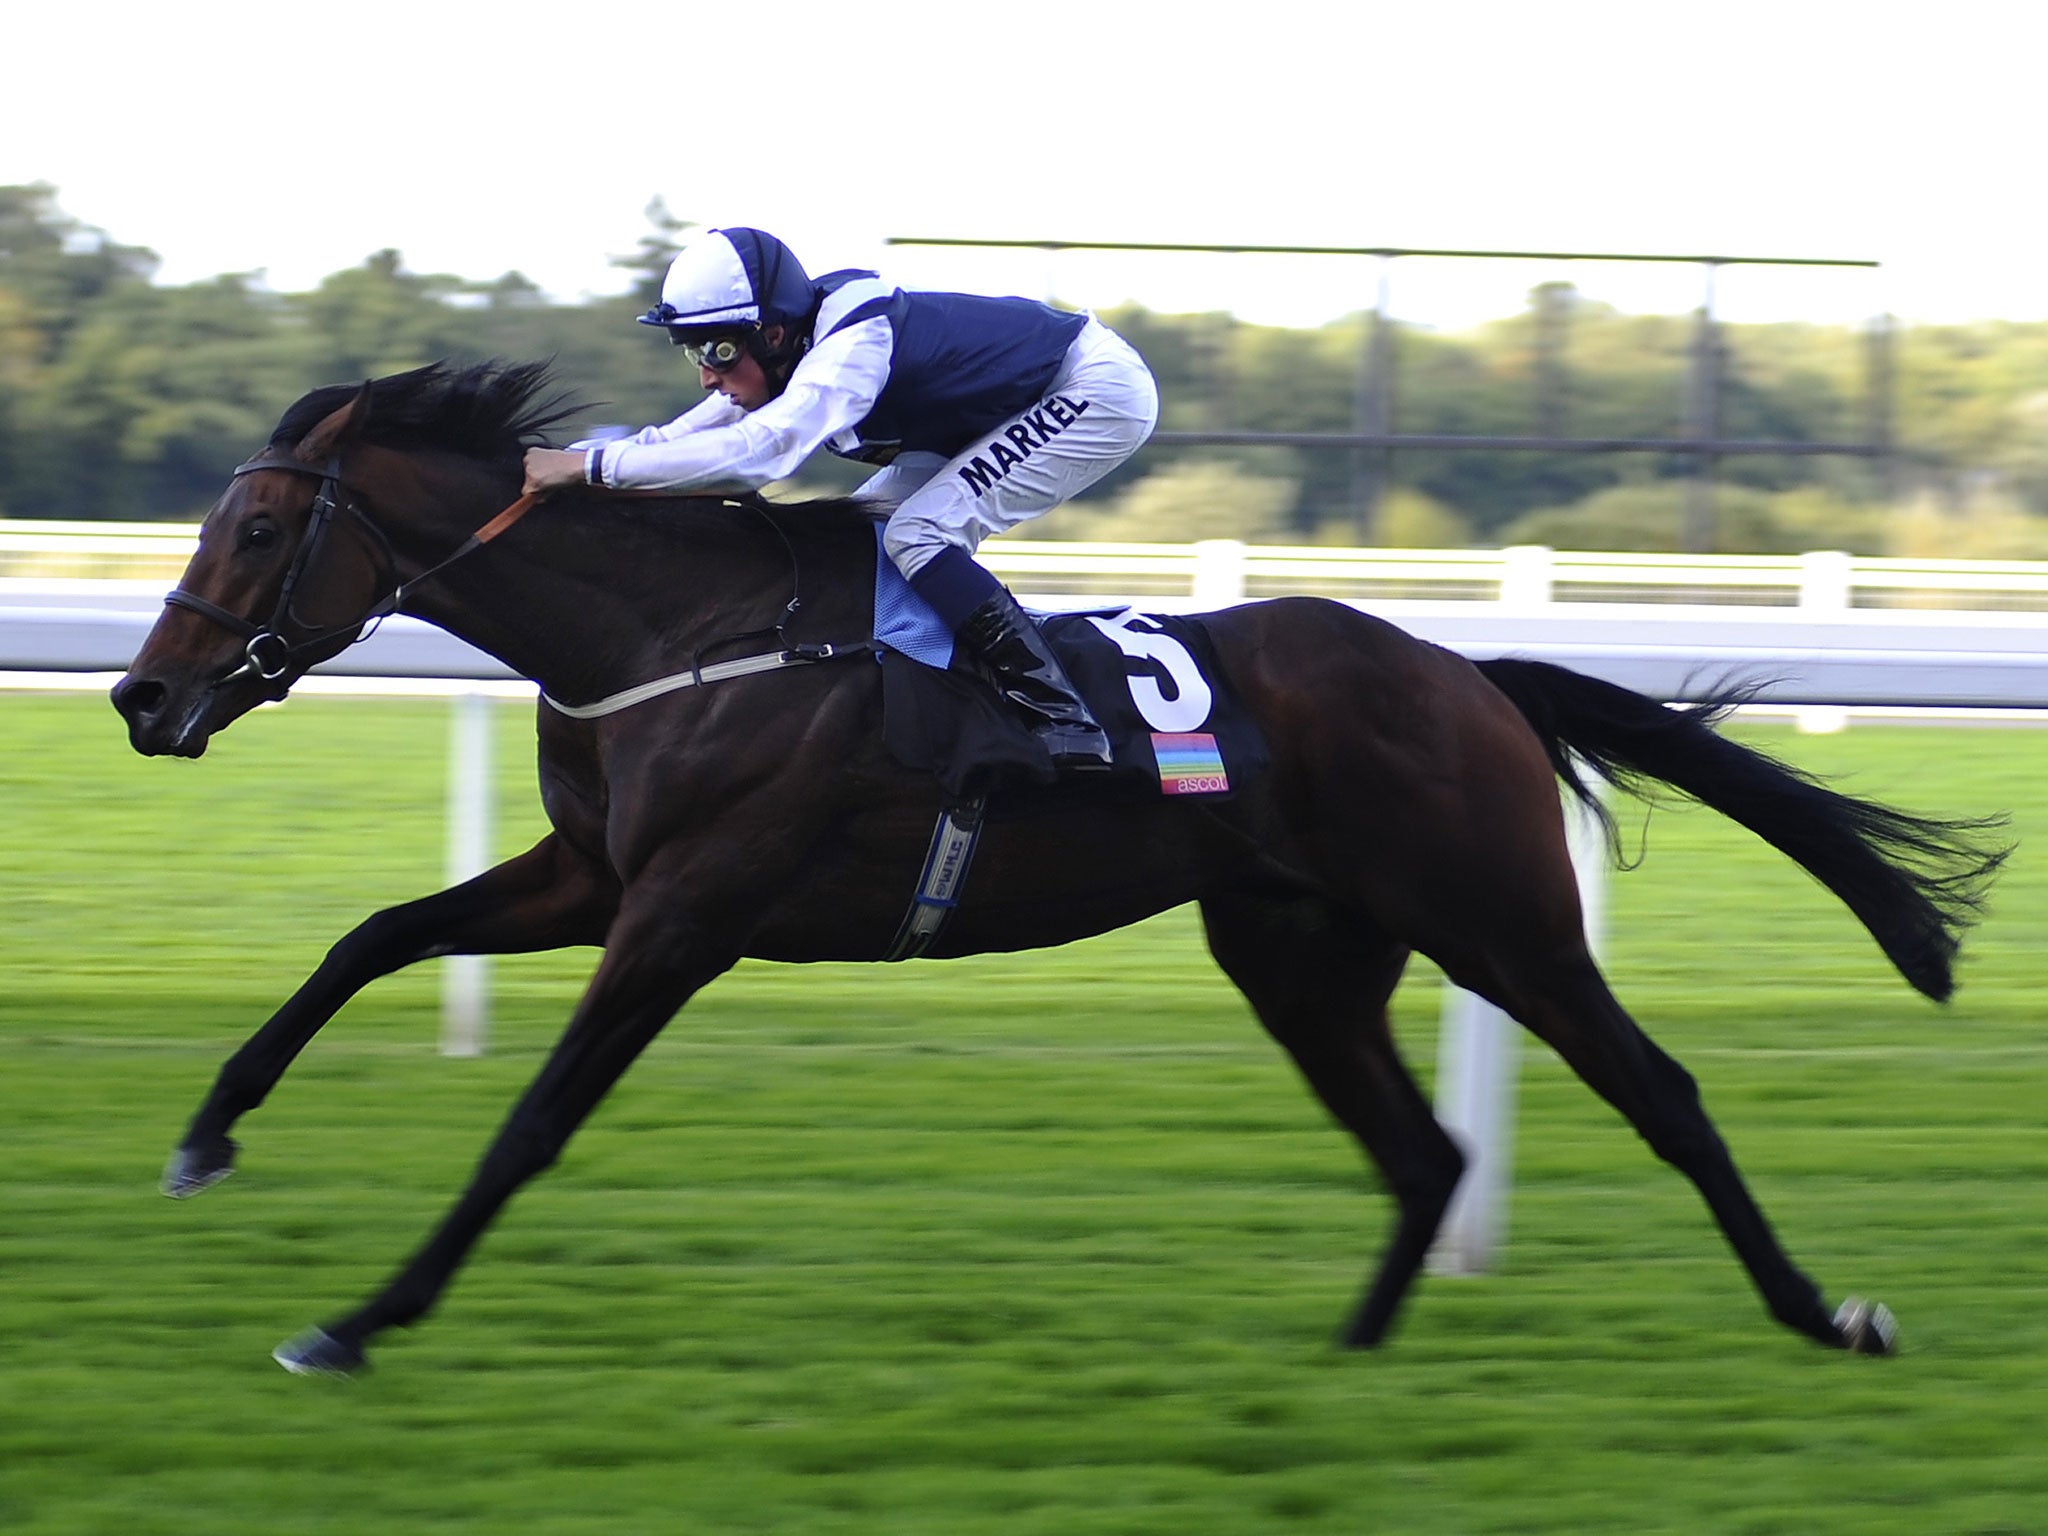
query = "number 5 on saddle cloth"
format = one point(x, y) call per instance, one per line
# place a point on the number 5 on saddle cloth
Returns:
point(1175, 726)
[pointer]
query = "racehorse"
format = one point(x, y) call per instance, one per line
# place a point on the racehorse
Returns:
point(1411, 805)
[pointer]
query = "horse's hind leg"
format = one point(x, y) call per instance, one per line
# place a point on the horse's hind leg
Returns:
point(1319, 979)
point(546, 898)
point(1568, 1005)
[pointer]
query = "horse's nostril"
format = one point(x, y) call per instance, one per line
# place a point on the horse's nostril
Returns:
point(137, 698)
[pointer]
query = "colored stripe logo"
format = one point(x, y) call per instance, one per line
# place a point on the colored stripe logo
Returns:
point(1189, 763)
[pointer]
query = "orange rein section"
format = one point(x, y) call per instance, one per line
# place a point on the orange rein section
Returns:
point(508, 517)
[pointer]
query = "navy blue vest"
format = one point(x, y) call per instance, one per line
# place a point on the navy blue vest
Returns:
point(962, 366)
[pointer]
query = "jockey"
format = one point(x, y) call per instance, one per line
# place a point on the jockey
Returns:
point(981, 412)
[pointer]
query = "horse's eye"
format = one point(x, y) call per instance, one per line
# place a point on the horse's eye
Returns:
point(259, 536)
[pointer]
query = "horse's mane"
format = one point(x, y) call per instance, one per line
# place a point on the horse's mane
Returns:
point(490, 410)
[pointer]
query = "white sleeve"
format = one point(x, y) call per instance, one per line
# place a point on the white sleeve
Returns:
point(835, 386)
point(714, 410)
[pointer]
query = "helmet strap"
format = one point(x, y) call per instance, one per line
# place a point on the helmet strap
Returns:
point(779, 362)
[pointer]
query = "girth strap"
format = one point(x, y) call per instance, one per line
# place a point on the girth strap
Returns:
point(696, 677)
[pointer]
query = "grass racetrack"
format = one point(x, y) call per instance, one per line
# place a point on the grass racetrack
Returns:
point(1042, 1245)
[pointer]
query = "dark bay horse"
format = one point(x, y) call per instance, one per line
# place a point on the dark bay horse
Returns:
point(1411, 805)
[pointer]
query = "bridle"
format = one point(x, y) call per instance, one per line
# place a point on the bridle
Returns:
point(265, 651)
point(269, 655)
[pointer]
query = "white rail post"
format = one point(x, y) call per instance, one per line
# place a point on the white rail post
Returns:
point(1478, 1061)
point(465, 979)
point(1219, 572)
point(1478, 1058)
point(1526, 575)
point(1478, 1053)
point(1826, 583)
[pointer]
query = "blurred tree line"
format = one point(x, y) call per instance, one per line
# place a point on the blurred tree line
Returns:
point(126, 400)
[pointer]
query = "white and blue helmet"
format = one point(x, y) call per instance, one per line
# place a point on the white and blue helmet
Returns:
point(731, 280)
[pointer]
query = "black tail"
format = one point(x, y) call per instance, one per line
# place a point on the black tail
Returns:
point(1914, 882)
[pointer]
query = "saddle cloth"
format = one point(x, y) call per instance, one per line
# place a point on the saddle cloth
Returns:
point(1175, 726)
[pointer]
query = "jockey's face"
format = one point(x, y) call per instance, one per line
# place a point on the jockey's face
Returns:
point(744, 383)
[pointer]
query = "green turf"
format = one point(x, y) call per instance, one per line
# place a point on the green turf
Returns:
point(1035, 1244)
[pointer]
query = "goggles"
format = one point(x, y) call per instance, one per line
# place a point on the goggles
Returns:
point(718, 353)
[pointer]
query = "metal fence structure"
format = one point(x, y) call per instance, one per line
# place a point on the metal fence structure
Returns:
point(1375, 439)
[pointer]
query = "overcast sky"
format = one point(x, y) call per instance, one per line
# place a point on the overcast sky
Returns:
point(235, 136)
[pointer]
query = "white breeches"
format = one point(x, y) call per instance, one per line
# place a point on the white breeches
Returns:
point(1100, 408)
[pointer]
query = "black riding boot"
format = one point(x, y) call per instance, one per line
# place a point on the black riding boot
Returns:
point(1027, 672)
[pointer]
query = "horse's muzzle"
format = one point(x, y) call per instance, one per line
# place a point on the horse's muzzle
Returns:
point(160, 720)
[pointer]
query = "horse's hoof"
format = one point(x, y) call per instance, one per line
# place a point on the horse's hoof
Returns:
point(196, 1167)
point(1867, 1327)
point(317, 1352)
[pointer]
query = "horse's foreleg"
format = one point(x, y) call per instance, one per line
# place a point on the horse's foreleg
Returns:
point(651, 967)
point(1319, 979)
point(546, 898)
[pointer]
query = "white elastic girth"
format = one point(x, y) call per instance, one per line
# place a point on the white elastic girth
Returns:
point(717, 672)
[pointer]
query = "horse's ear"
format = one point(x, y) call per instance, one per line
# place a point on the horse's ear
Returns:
point(336, 428)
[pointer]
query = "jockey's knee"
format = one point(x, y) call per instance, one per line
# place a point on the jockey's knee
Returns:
point(912, 543)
